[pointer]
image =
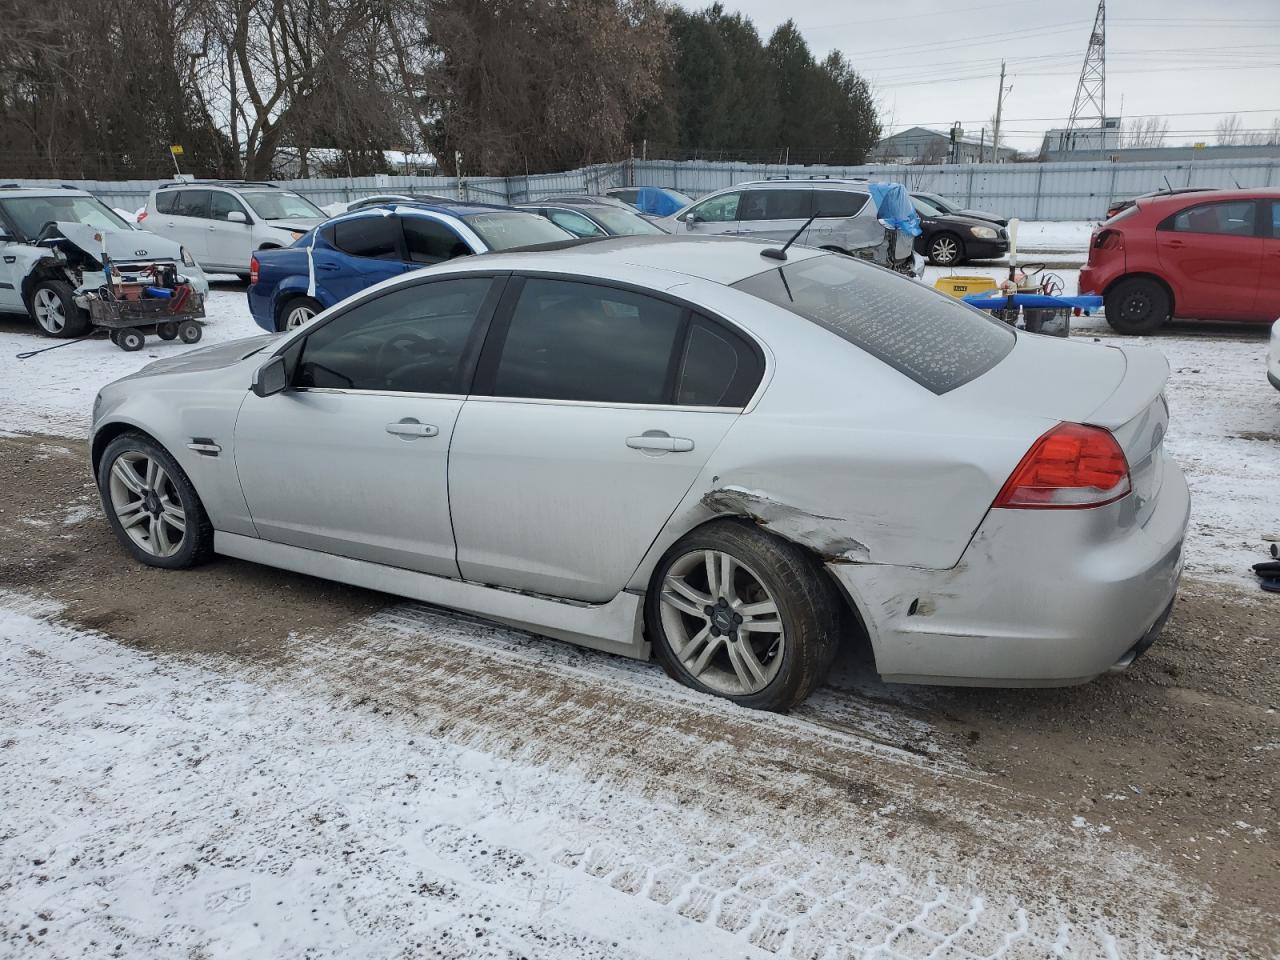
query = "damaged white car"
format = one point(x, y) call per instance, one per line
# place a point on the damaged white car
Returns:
point(723, 453)
point(63, 251)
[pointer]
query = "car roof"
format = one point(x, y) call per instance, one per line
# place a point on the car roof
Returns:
point(829, 183)
point(1206, 196)
point(459, 209)
point(723, 260)
point(8, 191)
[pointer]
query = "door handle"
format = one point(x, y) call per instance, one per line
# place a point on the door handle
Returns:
point(410, 429)
point(328, 267)
point(1175, 243)
point(657, 440)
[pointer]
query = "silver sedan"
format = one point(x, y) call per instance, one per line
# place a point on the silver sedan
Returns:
point(724, 455)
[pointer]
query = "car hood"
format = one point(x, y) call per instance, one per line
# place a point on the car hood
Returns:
point(983, 215)
point(965, 220)
point(209, 358)
point(122, 245)
point(299, 224)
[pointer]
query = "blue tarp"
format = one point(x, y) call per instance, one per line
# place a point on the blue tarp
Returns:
point(657, 202)
point(1036, 301)
point(894, 207)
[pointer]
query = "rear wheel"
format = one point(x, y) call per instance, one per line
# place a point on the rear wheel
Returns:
point(54, 309)
point(736, 612)
point(297, 312)
point(130, 339)
point(945, 250)
point(1137, 306)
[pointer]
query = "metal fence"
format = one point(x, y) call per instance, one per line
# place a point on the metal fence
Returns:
point(1032, 191)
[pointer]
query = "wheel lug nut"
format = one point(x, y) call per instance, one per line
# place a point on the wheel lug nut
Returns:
point(715, 631)
point(737, 618)
point(709, 610)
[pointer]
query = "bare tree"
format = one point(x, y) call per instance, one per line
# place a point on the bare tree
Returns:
point(1229, 130)
point(1144, 132)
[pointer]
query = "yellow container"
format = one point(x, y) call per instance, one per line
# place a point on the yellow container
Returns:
point(964, 286)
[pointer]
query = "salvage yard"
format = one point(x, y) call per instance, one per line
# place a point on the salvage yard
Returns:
point(240, 761)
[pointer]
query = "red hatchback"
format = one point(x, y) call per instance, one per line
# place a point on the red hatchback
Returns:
point(1204, 256)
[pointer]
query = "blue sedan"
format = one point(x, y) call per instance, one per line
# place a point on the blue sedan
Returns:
point(342, 256)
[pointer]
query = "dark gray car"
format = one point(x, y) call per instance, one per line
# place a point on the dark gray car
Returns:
point(593, 218)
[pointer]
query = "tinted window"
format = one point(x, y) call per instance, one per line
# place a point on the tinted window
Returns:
point(625, 223)
point(165, 200)
point(626, 196)
point(718, 368)
point(192, 203)
point(220, 204)
point(1233, 218)
point(30, 214)
point(429, 241)
point(1275, 219)
point(839, 203)
point(577, 341)
point(936, 341)
point(409, 340)
point(373, 237)
point(575, 223)
point(721, 209)
point(775, 205)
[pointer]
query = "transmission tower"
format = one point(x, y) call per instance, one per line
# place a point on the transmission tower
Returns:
point(1091, 91)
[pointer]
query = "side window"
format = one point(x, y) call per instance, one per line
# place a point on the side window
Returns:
point(165, 200)
point(719, 368)
point(721, 209)
point(626, 196)
point(578, 341)
point(839, 203)
point(373, 237)
point(192, 203)
point(1275, 219)
point(775, 205)
point(430, 241)
point(575, 223)
point(221, 203)
point(410, 340)
point(1233, 218)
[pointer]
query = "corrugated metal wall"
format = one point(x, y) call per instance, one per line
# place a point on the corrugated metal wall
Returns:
point(1032, 191)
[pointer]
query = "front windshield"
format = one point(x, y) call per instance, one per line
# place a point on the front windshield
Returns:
point(624, 223)
point(940, 204)
point(30, 214)
point(926, 209)
point(502, 231)
point(278, 205)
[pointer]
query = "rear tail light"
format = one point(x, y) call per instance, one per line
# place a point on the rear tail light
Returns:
point(141, 216)
point(253, 270)
point(1070, 467)
point(1108, 240)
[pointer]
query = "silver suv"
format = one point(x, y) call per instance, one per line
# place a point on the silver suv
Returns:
point(224, 222)
point(846, 219)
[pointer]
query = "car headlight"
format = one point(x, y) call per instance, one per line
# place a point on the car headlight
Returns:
point(983, 233)
point(187, 258)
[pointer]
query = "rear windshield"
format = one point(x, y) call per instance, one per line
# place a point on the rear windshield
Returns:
point(935, 340)
point(502, 231)
point(624, 223)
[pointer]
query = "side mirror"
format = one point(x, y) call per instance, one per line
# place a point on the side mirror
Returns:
point(271, 378)
point(237, 216)
point(690, 219)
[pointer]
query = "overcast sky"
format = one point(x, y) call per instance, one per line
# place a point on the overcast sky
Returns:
point(932, 62)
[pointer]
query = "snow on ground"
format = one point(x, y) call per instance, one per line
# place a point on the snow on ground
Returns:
point(168, 806)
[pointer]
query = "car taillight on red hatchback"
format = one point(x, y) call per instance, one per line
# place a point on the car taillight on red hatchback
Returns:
point(253, 270)
point(1108, 240)
point(1071, 467)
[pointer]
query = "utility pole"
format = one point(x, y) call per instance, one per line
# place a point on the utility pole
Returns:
point(995, 132)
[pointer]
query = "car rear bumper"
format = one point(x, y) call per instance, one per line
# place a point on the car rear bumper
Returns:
point(261, 307)
point(1040, 597)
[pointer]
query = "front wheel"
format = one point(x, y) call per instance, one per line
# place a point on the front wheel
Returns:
point(53, 307)
point(736, 612)
point(297, 312)
point(1137, 306)
point(151, 504)
point(945, 250)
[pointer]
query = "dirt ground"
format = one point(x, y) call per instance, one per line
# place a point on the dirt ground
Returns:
point(1178, 758)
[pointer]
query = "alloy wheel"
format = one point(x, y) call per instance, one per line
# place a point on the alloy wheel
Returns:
point(297, 317)
point(722, 623)
point(47, 307)
point(944, 250)
point(147, 504)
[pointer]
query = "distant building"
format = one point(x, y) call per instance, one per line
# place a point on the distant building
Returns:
point(922, 145)
point(1092, 140)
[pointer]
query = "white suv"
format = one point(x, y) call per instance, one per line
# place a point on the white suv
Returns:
point(224, 222)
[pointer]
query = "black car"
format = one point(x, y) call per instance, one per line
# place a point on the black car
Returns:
point(954, 209)
point(593, 218)
point(950, 239)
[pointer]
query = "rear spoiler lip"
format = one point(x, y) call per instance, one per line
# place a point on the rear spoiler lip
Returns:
point(1145, 375)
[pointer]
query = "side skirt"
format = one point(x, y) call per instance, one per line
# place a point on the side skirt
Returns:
point(614, 627)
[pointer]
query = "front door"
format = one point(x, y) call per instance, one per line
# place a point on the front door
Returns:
point(714, 216)
point(229, 243)
point(1268, 303)
point(593, 412)
point(774, 213)
point(1212, 255)
point(10, 279)
point(365, 250)
point(353, 460)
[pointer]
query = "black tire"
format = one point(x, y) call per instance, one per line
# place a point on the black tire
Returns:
point(196, 545)
point(1137, 306)
point(130, 339)
point(808, 607)
point(190, 332)
point(167, 330)
point(75, 321)
point(295, 304)
point(946, 250)
point(114, 336)
point(243, 277)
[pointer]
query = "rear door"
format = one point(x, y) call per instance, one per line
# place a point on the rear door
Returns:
point(774, 213)
point(428, 241)
point(1268, 304)
point(838, 223)
point(594, 409)
point(365, 250)
point(1212, 255)
point(188, 220)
